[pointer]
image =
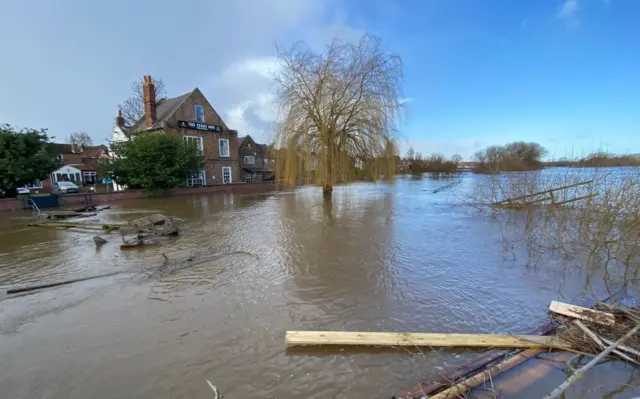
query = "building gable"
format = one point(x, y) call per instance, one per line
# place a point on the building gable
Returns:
point(186, 111)
point(246, 142)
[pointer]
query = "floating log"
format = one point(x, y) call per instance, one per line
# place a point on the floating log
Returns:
point(48, 285)
point(459, 389)
point(68, 214)
point(578, 312)
point(102, 226)
point(424, 339)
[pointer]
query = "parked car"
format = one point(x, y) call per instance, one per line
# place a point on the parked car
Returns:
point(66, 187)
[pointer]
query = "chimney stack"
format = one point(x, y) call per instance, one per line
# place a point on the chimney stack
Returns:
point(149, 92)
point(120, 119)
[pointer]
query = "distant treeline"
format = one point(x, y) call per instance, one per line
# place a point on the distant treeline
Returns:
point(598, 159)
point(416, 163)
point(517, 156)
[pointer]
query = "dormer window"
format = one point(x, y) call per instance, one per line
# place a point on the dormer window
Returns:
point(199, 111)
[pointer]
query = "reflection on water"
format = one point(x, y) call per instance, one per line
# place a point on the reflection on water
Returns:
point(245, 269)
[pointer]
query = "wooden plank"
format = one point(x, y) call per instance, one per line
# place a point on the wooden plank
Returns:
point(423, 339)
point(459, 389)
point(578, 312)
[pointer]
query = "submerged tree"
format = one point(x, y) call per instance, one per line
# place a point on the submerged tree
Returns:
point(339, 112)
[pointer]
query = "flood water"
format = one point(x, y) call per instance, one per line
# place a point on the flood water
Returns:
point(376, 258)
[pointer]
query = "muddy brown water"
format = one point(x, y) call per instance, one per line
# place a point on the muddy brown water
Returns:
point(377, 258)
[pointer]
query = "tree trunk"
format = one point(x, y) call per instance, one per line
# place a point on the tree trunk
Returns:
point(327, 189)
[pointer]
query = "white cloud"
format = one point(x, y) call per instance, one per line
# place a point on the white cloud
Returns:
point(568, 11)
point(240, 86)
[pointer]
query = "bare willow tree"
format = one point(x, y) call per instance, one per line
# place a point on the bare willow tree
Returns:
point(133, 107)
point(80, 139)
point(339, 112)
point(593, 223)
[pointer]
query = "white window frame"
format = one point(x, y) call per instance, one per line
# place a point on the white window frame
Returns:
point(228, 154)
point(226, 168)
point(194, 179)
point(251, 158)
point(85, 174)
point(249, 177)
point(200, 144)
point(195, 110)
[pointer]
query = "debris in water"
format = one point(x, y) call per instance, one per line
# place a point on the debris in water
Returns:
point(216, 394)
point(145, 227)
point(99, 241)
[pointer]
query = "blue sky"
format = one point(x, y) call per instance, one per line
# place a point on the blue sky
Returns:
point(563, 73)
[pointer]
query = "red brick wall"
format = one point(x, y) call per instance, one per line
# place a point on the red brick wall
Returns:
point(12, 204)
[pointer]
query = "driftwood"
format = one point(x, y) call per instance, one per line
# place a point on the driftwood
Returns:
point(445, 378)
point(559, 391)
point(622, 347)
point(460, 388)
point(579, 312)
point(49, 285)
point(101, 226)
point(601, 344)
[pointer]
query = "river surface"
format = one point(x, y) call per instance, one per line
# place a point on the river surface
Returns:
point(376, 258)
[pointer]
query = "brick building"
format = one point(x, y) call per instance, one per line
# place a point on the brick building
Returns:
point(192, 117)
point(77, 164)
point(255, 163)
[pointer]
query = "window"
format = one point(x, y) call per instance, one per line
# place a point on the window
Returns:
point(249, 159)
point(89, 177)
point(248, 178)
point(197, 179)
point(224, 147)
point(199, 110)
point(265, 161)
point(226, 174)
point(194, 139)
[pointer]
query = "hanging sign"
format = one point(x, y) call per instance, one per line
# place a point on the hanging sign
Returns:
point(199, 126)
